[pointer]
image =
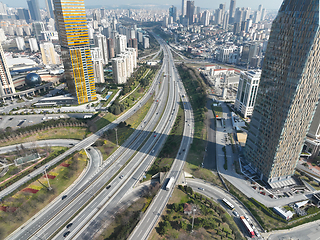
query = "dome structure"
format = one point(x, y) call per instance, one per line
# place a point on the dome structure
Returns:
point(33, 79)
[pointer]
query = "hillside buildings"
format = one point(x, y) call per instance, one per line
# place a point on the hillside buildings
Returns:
point(288, 93)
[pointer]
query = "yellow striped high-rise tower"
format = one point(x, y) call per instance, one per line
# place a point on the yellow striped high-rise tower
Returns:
point(71, 22)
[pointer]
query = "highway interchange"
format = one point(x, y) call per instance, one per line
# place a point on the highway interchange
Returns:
point(88, 203)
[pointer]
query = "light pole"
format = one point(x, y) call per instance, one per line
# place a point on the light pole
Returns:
point(45, 172)
point(116, 129)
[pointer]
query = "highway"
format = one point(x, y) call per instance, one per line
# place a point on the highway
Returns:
point(104, 205)
point(126, 150)
point(88, 141)
point(153, 213)
point(41, 143)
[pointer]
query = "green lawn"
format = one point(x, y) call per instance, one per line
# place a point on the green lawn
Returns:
point(210, 220)
point(28, 204)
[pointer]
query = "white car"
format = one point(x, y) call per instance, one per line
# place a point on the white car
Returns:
point(236, 213)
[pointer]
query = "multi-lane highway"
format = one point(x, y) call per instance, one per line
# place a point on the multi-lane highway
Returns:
point(150, 218)
point(46, 225)
point(86, 223)
point(125, 151)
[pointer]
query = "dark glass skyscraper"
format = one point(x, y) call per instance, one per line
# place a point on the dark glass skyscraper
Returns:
point(34, 10)
point(190, 11)
point(288, 93)
point(232, 10)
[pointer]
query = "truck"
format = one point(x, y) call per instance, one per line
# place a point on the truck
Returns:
point(247, 226)
point(170, 183)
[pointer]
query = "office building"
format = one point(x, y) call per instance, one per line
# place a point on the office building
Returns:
point(75, 49)
point(20, 43)
point(33, 44)
point(49, 6)
point(232, 11)
point(184, 8)
point(48, 54)
point(23, 14)
point(288, 93)
point(6, 84)
point(34, 10)
point(97, 62)
point(247, 92)
point(173, 13)
point(206, 17)
point(38, 28)
point(190, 11)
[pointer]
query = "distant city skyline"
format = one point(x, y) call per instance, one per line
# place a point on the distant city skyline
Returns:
point(204, 4)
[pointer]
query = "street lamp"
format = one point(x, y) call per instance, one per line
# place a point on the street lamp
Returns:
point(116, 129)
point(45, 172)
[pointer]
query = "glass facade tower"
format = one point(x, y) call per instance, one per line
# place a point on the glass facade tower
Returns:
point(288, 93)
point(71, 21)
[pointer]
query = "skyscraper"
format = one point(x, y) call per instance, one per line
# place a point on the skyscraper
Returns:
point(6, 84)
point(173, 13)
point(23, 14)
point(184, 8)
point(71, 22)
point(49, 6)
point(232, 11)
point(288, 92)
point(190, 11)
point(34, 10)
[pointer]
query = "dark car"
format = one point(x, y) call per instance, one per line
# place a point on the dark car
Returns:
point(66, 234)
point(109, 186)
point(10, 118)
point(69, 225)
point(63, 197)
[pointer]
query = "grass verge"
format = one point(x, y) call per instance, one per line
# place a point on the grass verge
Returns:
point(170, 149)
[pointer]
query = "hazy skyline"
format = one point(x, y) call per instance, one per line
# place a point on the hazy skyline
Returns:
point(271, 4)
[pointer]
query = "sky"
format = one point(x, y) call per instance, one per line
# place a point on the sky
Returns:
point(208, 4)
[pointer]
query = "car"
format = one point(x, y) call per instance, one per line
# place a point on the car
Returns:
point(183, 149)
point(71, 144)
point(121, 177)
point(64, 197)
point(236, 213)
point(69, 225)
point(179, 153)
point(155, 135)
point(109, 186)
point(152, 151)
point(200, 188)
point(66, 234)
point(10, 118)
point(30, 121)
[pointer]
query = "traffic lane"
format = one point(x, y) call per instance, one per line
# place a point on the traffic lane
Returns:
point(41, 143)
point(140, 141)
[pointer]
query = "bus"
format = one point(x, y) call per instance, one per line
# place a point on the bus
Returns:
point(229, 205)
point(247, 226)
point(170, 183)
